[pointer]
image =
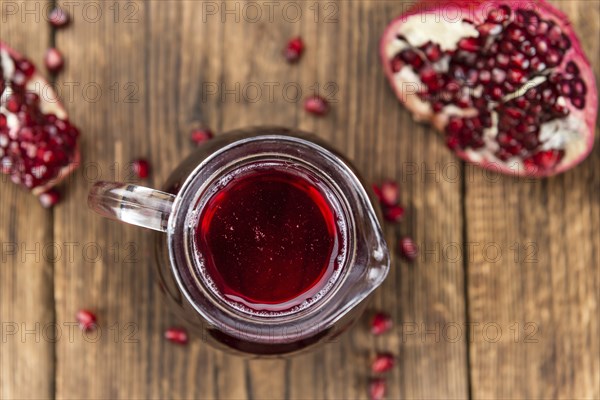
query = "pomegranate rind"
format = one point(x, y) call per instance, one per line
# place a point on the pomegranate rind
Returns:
point(55, 107)
point(477, 11)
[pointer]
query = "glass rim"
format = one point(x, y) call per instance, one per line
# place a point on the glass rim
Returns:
point(193, 189)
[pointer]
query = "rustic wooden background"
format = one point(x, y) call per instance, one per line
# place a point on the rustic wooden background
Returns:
point(515, 318)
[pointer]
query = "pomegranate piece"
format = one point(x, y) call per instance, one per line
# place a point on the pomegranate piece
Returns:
point(393, 213)
point(50, 198)
point(293, 50)
point(377, 389)
point(316, 105)
point(141, 168)
point(381, 323)
point(54, 60)
point(176, 335)
point(408, 248)
point(86, 320)
point(508, 86)
point(38, 144)
point(201, 135)
point(383, 363)
point(58, 18)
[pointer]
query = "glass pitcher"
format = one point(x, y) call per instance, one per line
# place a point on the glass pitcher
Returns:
point(175, 212)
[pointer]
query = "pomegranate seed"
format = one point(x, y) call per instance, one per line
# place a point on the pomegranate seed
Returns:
point(578, 87)
point(528, 49)
point(515, 34)
point(547, 159)
point(428, 75)
point(572, 68)
point(377, 388)
point(516, 76)
point(54, 60)
point(507, 47)
point(578, 102)
point(498, 75)
point(438, 106)
point(383, 363)
point(496, 93)
point(387, 193)
point(177, 335)
point(432, 51)
point(293, 50)
point(13, 104)
point(141, 168)
point(553, 58)
point(316, 105)
point(393, 213)
point(26, 67)
point(49, 198)
point(468, 44)
point(408, 249)
point(201, 135)
point(500, 14)
point(485, 76)
point(396, 63)
point(519, 60)
point(554, 33)
point(455, 125)
point(58, 18)
point(381, 323)
point(489, 28)
point(412, 58)
point(86, 320)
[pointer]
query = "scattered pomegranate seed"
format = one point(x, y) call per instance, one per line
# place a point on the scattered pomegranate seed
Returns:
point(393, 213)
point(176, 335)
point(408, 249)
point(293, 50)
point(58, 18)
point(86, 320)
point(201, 135)
point(383, 363)
point(50, 198)
point(381, 323)
point(141, 168)
point(316, 105)
point(389, 193)
point(54, 60)
point(377, 388)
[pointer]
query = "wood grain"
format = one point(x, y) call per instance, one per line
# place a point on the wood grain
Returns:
point(176, 72)
point(542, 289)
point(26, 290)
point(140, 75)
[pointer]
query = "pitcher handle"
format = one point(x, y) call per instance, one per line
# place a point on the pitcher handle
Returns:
point(132, 204)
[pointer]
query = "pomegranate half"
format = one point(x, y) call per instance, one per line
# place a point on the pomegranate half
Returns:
point(38, 144)
point(506, 82)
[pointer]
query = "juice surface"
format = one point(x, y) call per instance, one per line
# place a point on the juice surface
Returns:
point(269, 240)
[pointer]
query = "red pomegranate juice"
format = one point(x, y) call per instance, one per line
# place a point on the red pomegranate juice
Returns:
point(269, 240)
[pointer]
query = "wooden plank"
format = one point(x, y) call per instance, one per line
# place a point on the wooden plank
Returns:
point(139, 48)
point(369, 126)
point(542, 290)
point(175, 60)
point(26, 298)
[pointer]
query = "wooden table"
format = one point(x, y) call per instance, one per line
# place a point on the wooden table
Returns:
point(515, 317)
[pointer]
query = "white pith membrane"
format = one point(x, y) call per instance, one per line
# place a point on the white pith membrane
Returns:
point(442, 45)
point(34, 162)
